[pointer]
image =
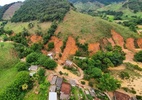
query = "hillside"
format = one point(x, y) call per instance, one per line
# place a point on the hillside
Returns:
point(3, 9)
point(89, 28)
point(42, 10)
point(11, 10)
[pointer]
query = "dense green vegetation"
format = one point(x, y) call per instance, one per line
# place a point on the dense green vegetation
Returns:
point(101, 60)
point(43, 10)
point(138, 56)
point(108, 83)
point(40, 59)
point(14, 90)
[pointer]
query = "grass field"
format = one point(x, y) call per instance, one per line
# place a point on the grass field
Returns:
point(18, 27)
point(7, 60)
point(89, 28)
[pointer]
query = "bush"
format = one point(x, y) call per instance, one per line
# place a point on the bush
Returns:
point(50, 64)
point(33, 58)
point(82, 82)
point(50, 45)
point(13, 91)
point(41, 75)
point(22, 66)
point(138, 56)
point(124, 75)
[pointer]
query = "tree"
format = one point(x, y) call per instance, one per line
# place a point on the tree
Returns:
point(50, 64)
point(138, 56)
point(50, 45)
point(96, 73)
point(21, 66)
point(32, 58)
point(108, 83)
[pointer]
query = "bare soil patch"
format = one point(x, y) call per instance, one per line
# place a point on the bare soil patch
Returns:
point(130, 44)
point(94, 47)
point(35, 38)
point(70, 48)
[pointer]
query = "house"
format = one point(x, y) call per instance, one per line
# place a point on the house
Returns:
point(121, 96)
point(59, 82)
point(53, 80)
point(65, 91)
point(87, 92)
point(52, 88)
point(72, 82)
point(32, 73)
point(51, 55)
point(33, 68)
point(52, 96)
point(68, 63)
point(92, 92)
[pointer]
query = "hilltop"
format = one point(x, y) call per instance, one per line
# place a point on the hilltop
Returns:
point(89, 28)
point(8, 14)
point(42, 10)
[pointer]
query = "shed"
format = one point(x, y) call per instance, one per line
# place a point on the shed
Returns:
point(65, 91)
point(53, 88)
point(72, 82)
point(33, 68)
point(59, 82)
point(54, 80)
point(92, 92)
point(68, 63)
point(52, 96)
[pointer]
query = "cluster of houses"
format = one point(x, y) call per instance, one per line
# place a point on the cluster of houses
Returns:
point(61, 88)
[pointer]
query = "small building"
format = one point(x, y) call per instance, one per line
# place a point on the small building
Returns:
point(52, 88)
point(86, 92)
point(65, 91)
point(92, 92)
point(51, 55)
point(121, 96)
point(72, 82)
point(52, 96)
point(68, 63)
point(53, 82)
point(33, 68)
point(32, 73)
point(59, 82)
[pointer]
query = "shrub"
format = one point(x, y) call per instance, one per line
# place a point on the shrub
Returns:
point(138, 56)
point(124, 75)
point(21, 66)
point(50, 45)
point(33, 58)
point(82, 82)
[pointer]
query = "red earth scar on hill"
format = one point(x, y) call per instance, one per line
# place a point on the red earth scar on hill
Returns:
point(139, 42)
point(57, 44)
point(35, 38)
point(110, 40)
point(94, 47)
point(118, 39)
point(70, 48)
point(130, 44)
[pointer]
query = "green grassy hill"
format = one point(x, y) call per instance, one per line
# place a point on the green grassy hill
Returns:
point(89, 28)
point(8, 59)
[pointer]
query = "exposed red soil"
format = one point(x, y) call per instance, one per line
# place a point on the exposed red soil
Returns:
point(70, 48)
point(35, 38)
point(94, 47)
point(130, 44)
point(44, 52)
point(110, 40)
point(118, 39)
point(139, 42)
point(57, 44)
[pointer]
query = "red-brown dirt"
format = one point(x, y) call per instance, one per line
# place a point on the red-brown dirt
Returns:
point(35, 38)
point(44, 52)
point(70, 48)
point(130, 44)
point(110, 40)
point(94, 47)
point(118, 39)
point(57, 44)
point(139, 42)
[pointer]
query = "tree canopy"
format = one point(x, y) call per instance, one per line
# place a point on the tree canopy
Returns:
point(43, 10)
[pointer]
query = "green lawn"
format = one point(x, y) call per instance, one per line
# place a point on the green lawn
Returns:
point(18, 27)
point(7, 60)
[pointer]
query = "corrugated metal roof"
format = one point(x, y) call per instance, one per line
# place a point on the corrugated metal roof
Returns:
point(52, 96)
